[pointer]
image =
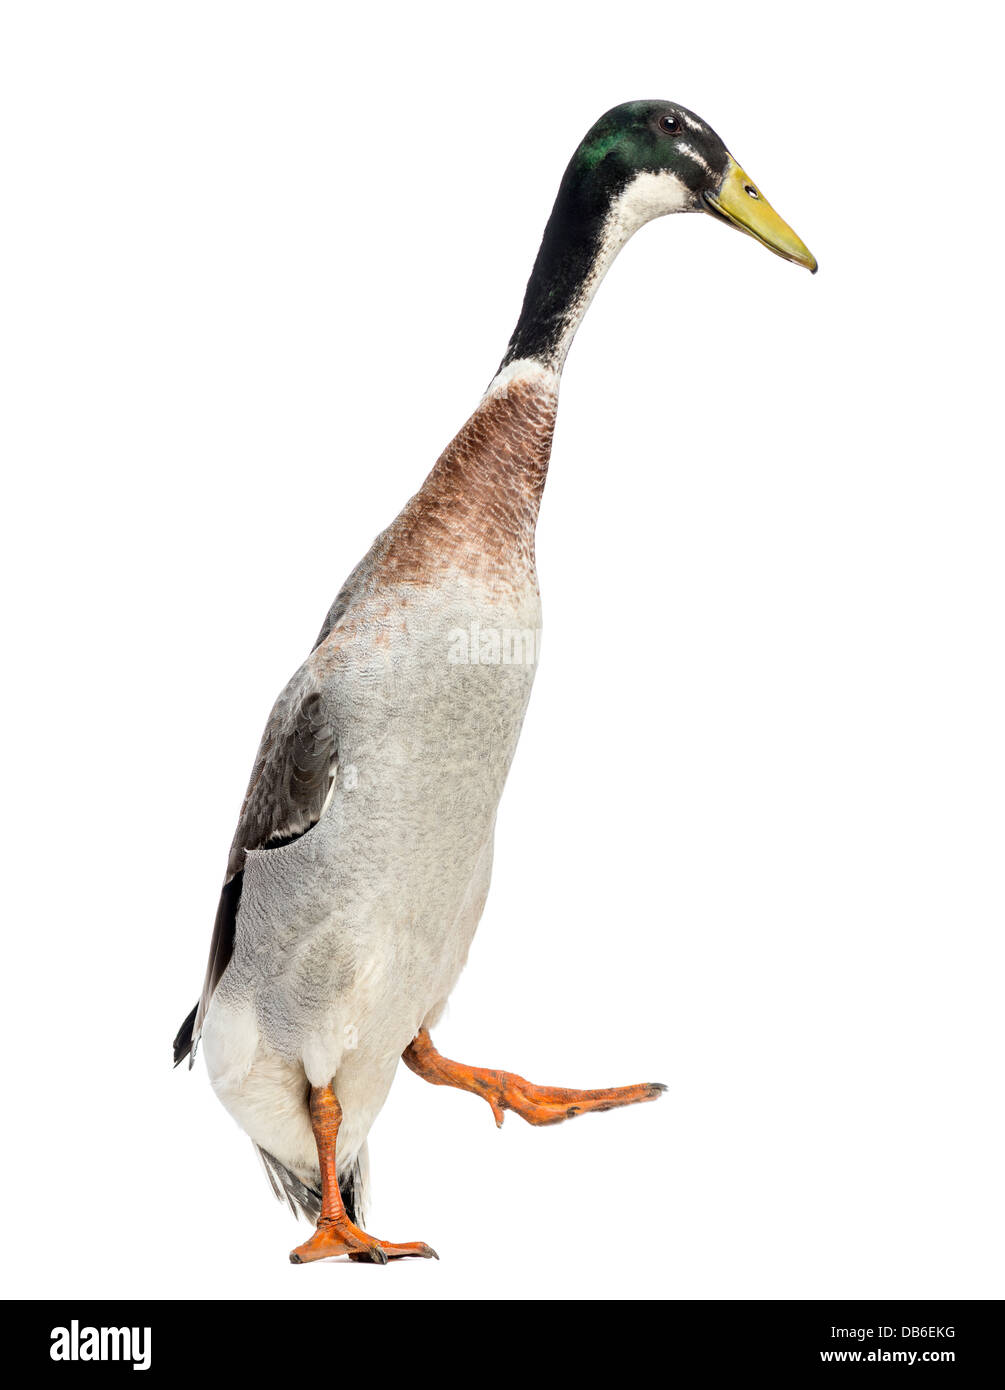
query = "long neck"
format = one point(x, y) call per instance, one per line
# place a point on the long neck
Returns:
point(584, 234)
point(486, 487)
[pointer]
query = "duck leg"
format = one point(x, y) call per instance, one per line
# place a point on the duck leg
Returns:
point(538, 1105)
point(335, 1233)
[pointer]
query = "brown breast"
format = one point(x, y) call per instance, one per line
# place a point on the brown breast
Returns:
point(478, 508)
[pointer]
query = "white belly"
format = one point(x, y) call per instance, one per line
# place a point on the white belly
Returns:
point(352, 937)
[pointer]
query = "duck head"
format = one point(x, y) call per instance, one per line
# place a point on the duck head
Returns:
point(642, 160)
point(657, 157)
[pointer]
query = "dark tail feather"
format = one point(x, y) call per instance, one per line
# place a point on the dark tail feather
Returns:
point(301, 1198)
point(183, 1041)
point(352, 1197)
point(288, 1187)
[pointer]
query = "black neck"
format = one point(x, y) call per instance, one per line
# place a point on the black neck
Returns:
point(569, 252)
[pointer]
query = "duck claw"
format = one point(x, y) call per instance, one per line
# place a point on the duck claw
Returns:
point(341, 1237)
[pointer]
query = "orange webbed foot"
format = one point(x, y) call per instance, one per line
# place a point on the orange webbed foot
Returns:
point(341, 1237)
point(504, 1090)
point(549, 1105)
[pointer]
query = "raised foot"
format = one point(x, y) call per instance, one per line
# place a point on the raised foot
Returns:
point(341, 1237)
point(538, 1105)
point(549, 1105)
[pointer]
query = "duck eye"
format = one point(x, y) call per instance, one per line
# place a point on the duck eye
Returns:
point(750, 190)
point(669, 124)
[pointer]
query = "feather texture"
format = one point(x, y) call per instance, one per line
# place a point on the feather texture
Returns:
point(293, 774)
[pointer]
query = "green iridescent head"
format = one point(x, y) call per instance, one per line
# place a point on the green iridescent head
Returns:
point(642, 160)
point(688, 160)
point(655, 137)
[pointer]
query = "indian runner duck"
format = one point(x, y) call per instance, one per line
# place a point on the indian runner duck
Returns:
point(362, 857)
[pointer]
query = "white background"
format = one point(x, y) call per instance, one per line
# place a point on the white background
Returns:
point(259, 262)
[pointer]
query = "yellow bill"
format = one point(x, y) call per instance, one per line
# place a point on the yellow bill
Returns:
point(741, 202)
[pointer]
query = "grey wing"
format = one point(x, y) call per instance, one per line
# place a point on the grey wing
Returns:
point(290, 782)
point(292, 775)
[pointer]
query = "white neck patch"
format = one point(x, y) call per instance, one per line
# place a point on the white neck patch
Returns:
point(647, 196)
point(529, 369)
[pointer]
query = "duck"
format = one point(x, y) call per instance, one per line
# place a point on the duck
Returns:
point(363, 852)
